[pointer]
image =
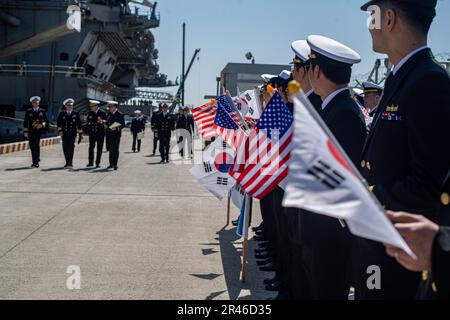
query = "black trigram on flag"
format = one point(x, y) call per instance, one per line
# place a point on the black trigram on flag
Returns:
point(224, 145)
point(248, 97)
point(222, 181)
point(325, 174)
point(238, 189)
point(208, 167)
point(251, 111)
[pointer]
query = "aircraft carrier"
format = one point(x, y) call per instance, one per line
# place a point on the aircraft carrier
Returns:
point(84, 49)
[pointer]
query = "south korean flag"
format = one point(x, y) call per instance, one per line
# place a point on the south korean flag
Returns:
point(250, 102)
point(212, 173)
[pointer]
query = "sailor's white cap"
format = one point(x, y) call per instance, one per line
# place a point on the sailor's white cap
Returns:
point(302, 50)
point(359, 92)
point(267, 77)
point(35, 98)
point(285, 75)
point(94, 102)
point(70, 100)
point(370, 87)
point(113, 103)
point(323, 48)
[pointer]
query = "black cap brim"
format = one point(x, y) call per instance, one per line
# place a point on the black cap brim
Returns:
point(368, 4)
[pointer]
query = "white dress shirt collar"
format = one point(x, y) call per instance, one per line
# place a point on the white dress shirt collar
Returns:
point(331, 97)
point(399, 65)
point(309, 93)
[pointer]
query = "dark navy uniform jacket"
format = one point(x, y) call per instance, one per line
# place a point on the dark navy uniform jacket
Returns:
point(93, 126)
point(406, 159)
point(346, 122)
point(164, 125)
point(33, 118)
point(437, 285)
point(113, 118)
point(69, 124)
point(138, 125)
point(316, 101)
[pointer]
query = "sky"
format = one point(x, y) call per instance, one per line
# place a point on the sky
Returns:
point(226, 30)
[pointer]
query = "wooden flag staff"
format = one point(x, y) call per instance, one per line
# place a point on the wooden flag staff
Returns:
point(228, 210)
point(247, 214)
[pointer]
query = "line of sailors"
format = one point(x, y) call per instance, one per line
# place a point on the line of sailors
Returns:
point(404, 157)
point(107, 127)
point(163, 124)
point(97, 124)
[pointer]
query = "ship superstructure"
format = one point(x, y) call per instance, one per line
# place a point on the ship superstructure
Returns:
point(105, 55)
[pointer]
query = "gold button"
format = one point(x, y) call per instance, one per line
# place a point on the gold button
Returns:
point(445, 199)
point(369, 166)
point(363, 164)
point(425, 276)
point(434, 287)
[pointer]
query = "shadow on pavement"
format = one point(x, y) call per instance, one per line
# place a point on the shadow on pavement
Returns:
point(232, 266)
point(82, 170)
point(19, 169)
point(100, 170)
point(156, 164)
point(54, 169)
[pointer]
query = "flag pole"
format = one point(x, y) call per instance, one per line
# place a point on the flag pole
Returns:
point(247, 212)
point(228, 209)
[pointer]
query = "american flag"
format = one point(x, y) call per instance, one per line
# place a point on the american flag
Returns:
point(227, 128)
point(262, 162)
point(204, 118)
point(226, 102)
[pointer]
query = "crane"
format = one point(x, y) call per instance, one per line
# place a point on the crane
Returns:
point(177, 99)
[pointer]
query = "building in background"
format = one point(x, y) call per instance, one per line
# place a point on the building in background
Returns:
point(246, 76)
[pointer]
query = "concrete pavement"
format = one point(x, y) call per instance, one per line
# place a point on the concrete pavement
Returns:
point(146, 231)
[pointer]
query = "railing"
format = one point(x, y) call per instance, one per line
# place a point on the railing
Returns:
point(22, 70)
point(52, 127)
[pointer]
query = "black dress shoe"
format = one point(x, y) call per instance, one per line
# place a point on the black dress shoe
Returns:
point(260, 233)
point(261, 251)
point(282, 296)
point(89, 165)
point(37, 165)
point(97, 166)
point(262, 256)
point(116, 168)
point(259, 238)
point(264, 262)
point(268, 268)
point(235, 223)
point(276, 286)
point(110, 167)
point(260, 227)
point(270, 281)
